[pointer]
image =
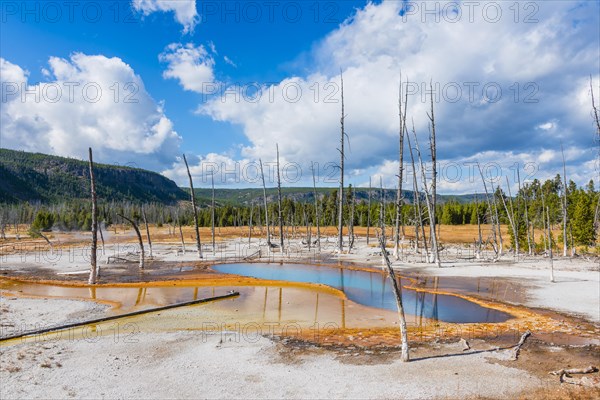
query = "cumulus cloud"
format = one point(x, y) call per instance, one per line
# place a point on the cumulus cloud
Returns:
point(499, 86)
point(192, 66)
point(89, 100)
point(185, 10)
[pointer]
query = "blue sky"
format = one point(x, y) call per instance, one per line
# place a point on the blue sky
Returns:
point(512, 84)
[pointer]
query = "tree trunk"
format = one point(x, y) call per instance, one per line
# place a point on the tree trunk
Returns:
point(550, 246)
point(250, 223)
point(417, 200)
point(565, 249)
point(139, 236)
point(212, 213)
point(180, 232)
point(101, 239)
point(517, 348)
point(398, 295)
point(513, 219)
point(399, 196)
point(433, 149)
point(351, 221)
point(478, 228)
point(279, 202)
point(382, 209)
point(262, 174)
point(193, 196)
point(93, 261)
point(430, 212)
point(317, 214)
point(147, 230)
point(341, 192)
point(369, 213)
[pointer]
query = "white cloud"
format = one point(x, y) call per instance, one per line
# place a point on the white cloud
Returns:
point(184, 10)
point(90, 101)
point(528, 62)
point(546, 126)
point(191, 65)
point(229, 61)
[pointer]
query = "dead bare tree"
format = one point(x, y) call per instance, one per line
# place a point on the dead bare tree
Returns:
point(351, 220)
point(550, 245)
point(493, 212)
point(369, 213)
point(262, 174)
point(317, 214)
point(417, 200)
point(194, 210)
point(147, 230)
point(341, 192)
point(139, 236)
point(478, 228)
point(93, 260)
point(399, 195)
point(180, 231)
point(398, 294)
point(101, 238)
point(564, 203)
point(382, 209)
point(433, 150)
point(429, 203)
point(529, 244)
point(511, 217)
point(250, 223)
point(279, 201)
point(212, 212)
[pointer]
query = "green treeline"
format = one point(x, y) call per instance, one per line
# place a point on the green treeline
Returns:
point(533, 197)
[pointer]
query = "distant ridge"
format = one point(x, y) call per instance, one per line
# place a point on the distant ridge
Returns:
point(38, 177)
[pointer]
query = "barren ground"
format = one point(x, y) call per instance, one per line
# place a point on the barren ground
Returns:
point(161, 362)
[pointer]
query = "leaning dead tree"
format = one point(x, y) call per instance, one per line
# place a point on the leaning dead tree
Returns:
point(194, 211)
point(417, 201)
point(147, 230)
point(398, 295)
point(492, 216)
point(93, 260)
point(434, 243)
point(40, 234)
point(279, 201)
point(139, 236)
point(262, 174)
point(341, 192)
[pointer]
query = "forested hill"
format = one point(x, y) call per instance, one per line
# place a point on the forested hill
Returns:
point(239, 197)
point(49, 179)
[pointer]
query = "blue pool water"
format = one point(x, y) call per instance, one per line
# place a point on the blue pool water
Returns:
point(372, 289)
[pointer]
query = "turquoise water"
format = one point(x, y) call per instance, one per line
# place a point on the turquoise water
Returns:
point(372, 289)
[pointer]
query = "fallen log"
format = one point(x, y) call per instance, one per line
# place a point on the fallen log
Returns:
point(113, 317)
point(517, 348)
point(588, 370)
point(586, 381)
